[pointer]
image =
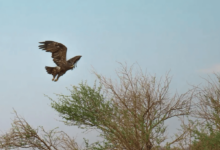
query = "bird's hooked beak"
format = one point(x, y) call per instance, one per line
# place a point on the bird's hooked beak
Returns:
point(72, 67)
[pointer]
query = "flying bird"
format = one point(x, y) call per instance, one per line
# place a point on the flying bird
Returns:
point(58, 51)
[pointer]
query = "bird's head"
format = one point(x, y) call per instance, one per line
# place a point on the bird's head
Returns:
point(74, 61)
point(71, 67)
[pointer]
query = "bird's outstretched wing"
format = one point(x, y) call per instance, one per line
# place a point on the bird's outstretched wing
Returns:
point(58, 51)
point(74, 60)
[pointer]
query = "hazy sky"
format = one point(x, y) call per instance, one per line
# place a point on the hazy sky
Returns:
point(162, 35)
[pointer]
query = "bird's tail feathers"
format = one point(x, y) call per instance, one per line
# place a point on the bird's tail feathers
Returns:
point(50, 69)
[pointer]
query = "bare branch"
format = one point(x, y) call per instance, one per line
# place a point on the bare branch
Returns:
point(22, 135)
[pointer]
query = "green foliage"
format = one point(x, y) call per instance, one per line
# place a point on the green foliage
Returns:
point(206, 141)
point(85, 106)
point(104, 145)
point(208, 137)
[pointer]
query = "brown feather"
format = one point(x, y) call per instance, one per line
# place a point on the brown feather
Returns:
point(74, 60)
point(58, 51)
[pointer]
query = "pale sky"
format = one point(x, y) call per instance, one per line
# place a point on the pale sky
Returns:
point(162, 35)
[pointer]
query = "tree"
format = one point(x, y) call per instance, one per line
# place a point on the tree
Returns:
point(22, 135)
point(130, 114)
point(207, 134)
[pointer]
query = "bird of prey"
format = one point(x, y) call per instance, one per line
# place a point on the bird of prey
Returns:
point(58, 51)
